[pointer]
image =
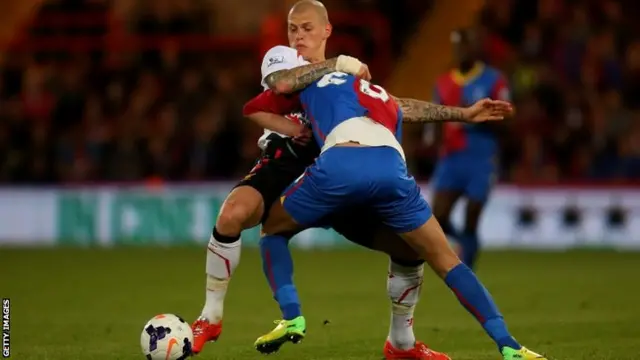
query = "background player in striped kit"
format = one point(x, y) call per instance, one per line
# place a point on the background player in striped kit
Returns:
point(468, 164)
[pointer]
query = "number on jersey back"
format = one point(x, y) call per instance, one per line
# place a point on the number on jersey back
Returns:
point(375, 99)
point(382, 108)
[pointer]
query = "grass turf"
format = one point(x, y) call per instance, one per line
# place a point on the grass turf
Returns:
point(91, 304)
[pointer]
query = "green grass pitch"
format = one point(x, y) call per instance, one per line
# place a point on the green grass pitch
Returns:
point(91, 304)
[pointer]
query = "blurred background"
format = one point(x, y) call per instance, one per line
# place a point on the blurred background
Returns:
point(100, 95)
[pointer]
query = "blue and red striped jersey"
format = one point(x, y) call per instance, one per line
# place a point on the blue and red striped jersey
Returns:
point(455, 89)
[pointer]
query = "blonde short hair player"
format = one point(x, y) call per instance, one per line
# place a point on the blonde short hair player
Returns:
point(281, 162)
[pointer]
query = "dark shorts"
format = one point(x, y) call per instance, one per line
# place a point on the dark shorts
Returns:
point(358, 225)
point(281, 163)
point(362, 226)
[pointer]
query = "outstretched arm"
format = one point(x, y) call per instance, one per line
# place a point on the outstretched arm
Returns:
point(424, 111)
point(291, 80)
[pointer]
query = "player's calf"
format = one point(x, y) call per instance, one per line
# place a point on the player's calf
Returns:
point(404, 283)
point(469, 240)
point(242, 208)
point(277, 265)
point(223, 256)
point(429, 241)
point(469, 247)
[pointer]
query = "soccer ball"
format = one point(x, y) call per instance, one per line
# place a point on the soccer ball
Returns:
point(166, 337)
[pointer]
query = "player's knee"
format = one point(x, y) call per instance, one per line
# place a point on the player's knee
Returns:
point(433, 247)
point(230, 217)
point(233, 215)
point(242, 209)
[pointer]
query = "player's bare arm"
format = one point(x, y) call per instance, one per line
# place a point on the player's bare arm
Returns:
point(265, 110)
point(423, 111)
point(292, 80)
point(277, 123)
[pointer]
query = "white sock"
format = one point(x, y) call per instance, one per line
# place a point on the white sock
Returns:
point(222, 260)
point(403, 286)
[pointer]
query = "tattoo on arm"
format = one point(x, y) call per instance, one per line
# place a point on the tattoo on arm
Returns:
point(292, 80)
point(423, 111)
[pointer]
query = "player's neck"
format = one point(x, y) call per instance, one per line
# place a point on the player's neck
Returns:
point(466, 66)
point(317, 57)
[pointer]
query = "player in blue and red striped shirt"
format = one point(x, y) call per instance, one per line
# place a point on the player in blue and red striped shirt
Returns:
point(362, 166)
point(468, 163)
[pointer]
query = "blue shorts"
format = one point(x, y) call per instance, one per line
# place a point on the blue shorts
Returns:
point(346, 177)
point(472, 178)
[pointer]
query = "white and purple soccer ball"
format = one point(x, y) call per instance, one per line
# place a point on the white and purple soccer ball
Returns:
point(166, 337)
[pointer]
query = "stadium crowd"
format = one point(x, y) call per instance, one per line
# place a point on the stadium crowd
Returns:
point(574, 68)
point(84, 112)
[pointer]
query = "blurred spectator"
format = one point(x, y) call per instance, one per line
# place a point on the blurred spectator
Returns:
point(575, 73)
point(169, 17)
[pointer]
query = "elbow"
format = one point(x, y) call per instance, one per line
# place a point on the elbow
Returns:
point(280, 87)
point(280, 82)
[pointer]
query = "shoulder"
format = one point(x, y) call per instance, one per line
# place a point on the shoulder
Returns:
point(444, 79)
point(498, 84)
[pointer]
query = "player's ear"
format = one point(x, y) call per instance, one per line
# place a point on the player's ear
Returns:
point(328, 29)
